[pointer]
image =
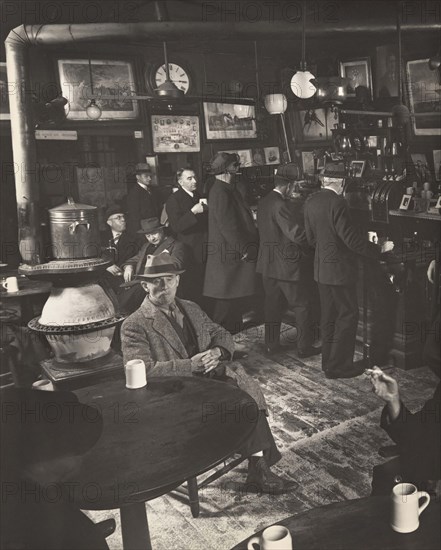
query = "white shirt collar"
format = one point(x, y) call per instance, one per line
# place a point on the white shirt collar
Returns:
point(278, 191)
point(146, 187)
point(116, 234)
point(332, 189)
point(188, 192)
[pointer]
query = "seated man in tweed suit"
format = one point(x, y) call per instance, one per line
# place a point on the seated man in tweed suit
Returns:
point(176, 338)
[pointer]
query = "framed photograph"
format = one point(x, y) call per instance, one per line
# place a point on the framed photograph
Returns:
point(357, 167)
point(258, 156)
point(112, 82)
point(359, 73)
point(175, 133)
point(5, 113)
point(316, 124)
point(229, 121)
point(386, 73)
point(272, 155)
point(405, 202)
point(424, 92)
point(308, 163)
point(246, 156)
point(437, 163)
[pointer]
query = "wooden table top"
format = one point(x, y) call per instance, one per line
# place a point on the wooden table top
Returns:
point(155, 438)
point(361, 524)
point(27, 287)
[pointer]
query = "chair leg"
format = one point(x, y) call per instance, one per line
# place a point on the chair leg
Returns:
point(192, 486)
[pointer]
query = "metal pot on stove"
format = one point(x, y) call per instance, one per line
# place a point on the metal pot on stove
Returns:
point(74, 231)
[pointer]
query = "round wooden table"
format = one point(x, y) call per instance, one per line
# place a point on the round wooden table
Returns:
point(361, 524)
point(154, 439)
point(27, 289)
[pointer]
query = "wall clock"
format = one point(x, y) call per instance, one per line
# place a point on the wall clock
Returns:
point(178, 75)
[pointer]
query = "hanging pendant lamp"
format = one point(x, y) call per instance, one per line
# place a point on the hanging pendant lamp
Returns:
point(93, 111)
point(301, 84)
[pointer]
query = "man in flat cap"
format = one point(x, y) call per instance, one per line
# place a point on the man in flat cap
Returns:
point(143, 200)
point(285, 262)
point(157, 241)
point(175, 337)
point(338, 246)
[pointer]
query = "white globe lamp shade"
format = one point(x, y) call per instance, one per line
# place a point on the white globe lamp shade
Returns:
point(302, 86)
point(93, 111)
point(275, 104)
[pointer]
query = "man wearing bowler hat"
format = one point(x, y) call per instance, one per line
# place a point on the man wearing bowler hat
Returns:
point(117, 245)
point(175, 337)
point(143, 200)
point(156, 242)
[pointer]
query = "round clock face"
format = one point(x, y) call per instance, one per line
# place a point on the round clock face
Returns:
point(178, 76)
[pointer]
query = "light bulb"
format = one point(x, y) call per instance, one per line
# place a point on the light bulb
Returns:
point(93, 111)
point(302, 86)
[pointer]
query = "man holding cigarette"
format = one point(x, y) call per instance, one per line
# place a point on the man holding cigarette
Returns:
point(176, 338)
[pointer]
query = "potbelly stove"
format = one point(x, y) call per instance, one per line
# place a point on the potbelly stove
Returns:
point(80, 317)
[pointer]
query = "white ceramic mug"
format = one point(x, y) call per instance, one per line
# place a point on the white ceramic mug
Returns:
point(43, 385)
point(276, 537)
point(11, 284)
point(405, 513)
point(373, 237)
point(135, 374)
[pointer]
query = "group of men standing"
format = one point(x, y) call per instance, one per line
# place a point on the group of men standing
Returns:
point(221, 250)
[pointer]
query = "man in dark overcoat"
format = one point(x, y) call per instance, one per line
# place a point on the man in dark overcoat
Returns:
point(232, 246)
point(285, 262)
point(188, 220)
point(143, 200)
point(338, 245)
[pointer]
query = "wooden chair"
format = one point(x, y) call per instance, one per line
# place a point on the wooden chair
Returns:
point(193, 486)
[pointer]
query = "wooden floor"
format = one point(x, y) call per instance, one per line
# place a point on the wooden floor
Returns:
point(327, 431)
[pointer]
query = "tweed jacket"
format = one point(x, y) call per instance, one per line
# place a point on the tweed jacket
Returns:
point(336, 239)
point(147, 334)
point(189, 228)
point(284, 253)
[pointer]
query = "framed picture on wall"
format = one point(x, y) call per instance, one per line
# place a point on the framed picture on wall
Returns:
point(359, 73)
point(272, 155)
point(357, 167)
point(314, 124)
point(112, 82)
point(424, 92)
point(5, 114)
point(175, 133)
point(229, 121)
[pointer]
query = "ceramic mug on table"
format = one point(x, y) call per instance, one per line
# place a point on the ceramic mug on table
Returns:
point(11, 284)
point(406, 510)
point(276, 537)
point(135, 374)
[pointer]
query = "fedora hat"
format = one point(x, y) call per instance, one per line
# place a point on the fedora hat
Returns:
point(150, 225)
point(142, 167)
point(159, 266)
